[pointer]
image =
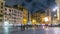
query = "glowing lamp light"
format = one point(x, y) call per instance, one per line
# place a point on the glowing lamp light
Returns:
point(24, 19)
point(6, 23)
point(46, 19)
point(33, 21)
point(54, 9)
point(55, 15)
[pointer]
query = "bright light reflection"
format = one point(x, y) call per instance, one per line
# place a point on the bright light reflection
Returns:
point(47, 29)
point(55, 15)
point(34, 21)
point(33, 28)
point(43, 27)
point(43, 24)
point(6, 23)
point(55, 8)
point(46, 19)
point(6, 27)
point(55, 23)
point(6, 30)
point(56, 30)
point(29, 22)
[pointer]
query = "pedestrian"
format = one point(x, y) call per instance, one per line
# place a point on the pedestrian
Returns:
point(22, 27)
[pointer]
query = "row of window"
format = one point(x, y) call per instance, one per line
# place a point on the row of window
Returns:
point(1, 15)
point(12, 21)
point(1, 11)
point(17, 18)
point(13, 14)
point(13, 11)
point(1, 6)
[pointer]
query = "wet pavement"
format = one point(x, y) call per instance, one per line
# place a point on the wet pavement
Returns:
point(34, 30)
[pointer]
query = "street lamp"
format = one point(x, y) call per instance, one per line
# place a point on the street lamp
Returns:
point(34, 21)
point(24, 21)
point(54, 9)
point(6, 27)
point(54, 15)
point(46, 19)
point(6, 23)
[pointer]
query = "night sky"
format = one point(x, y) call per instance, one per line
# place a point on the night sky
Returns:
point(32, 5)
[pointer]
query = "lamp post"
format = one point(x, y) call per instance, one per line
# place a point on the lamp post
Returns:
point(29, 16)
point(54, 14)
point(51, 12)
point(54, 9)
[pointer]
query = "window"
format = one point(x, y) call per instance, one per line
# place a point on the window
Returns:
point(15, 21)
point(5, 20)
point(19, 18)
point(9, 14)
point(5, 9)
point(14, 14)
point(10, 10)
point(5, 13)
point(1, 11)
point(1, 7)
point(1, 15)
point(14, 18)
point(1, 4)
point(15, 11)
point(5, 16)
point(20, 15)
point(21, 9)
point(0, 20)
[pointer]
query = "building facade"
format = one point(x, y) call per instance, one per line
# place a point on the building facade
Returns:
point(25, 14)
point(52, 15)
point(38, 18)
point(48, 13)
point(13, 16)
point(2, 4)
point(58, 10)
